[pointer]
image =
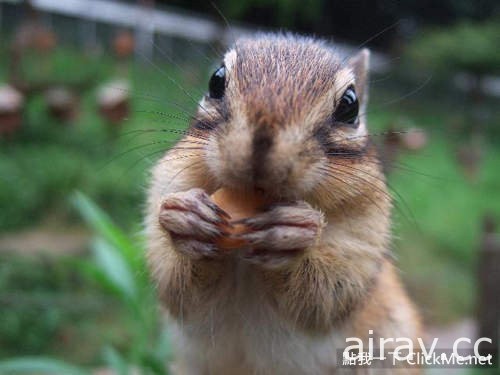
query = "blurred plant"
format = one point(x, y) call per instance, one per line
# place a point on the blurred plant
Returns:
point(466, 47)
point(38, 295)
point(119, 266)
point(286, 13)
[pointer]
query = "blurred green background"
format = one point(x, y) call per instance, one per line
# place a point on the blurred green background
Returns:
point(77, 290)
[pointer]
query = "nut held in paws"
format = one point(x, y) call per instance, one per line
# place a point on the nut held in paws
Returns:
point(240, 205)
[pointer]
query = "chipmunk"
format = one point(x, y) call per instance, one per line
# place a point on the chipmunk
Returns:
point(284, 116)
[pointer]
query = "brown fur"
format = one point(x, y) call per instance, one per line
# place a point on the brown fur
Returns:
point(237, 317)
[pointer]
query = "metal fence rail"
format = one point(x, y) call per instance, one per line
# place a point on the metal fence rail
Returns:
point(134, 16)
point(148, 22)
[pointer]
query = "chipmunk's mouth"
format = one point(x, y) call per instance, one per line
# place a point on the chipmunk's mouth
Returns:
point(276, 186)
point(266, 197)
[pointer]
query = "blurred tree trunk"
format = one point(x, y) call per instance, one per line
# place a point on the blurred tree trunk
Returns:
point(489, 288)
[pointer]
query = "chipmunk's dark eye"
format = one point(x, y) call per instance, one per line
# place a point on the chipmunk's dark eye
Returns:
point(217, 84)
point(348, 107)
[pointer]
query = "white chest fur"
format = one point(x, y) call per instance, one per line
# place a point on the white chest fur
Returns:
point(241, 334)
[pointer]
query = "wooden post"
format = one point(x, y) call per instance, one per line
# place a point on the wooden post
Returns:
point(489, 288)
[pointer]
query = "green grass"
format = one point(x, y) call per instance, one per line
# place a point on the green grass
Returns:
point(438, 227)
point(438, 212)
point(48, 160)
point(85, 311)
point(49, 306)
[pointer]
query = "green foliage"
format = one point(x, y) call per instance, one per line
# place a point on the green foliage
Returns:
point(65, 66)
point(35, 295)
point(438, 214)
point(118, 266)
point(39, 365)
point(287, 12)
point(438, 226)
point(467, 46)
point(432, 198)
point(36, 179)
point(48, 159)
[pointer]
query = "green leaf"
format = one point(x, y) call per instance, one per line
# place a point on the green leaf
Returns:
point(163, 348)
point(115, 361)
point(156, 366)
point(103, 225)
point(39, 365)
point(95, 273)
point(115, 268)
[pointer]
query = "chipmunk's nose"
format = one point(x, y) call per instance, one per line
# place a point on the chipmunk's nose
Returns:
point(261, 146)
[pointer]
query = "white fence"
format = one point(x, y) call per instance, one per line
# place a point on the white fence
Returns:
point(148, 21)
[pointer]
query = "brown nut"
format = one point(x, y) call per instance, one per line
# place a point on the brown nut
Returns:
point(239, 205)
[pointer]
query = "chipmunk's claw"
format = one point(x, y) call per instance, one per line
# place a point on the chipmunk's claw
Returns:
point(194, 222)
point(278, 235)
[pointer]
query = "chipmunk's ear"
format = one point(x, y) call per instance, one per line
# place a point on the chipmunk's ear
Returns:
point(360, 65)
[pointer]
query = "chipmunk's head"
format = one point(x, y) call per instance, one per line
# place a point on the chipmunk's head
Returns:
point(285, 115)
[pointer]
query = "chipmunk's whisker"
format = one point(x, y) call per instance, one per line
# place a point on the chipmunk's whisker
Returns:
point(398, 197)
point(382, 163)
point(333, 172)
point(193, 134)
point(187, 119)
point(124, 153)
point(180, 87)
point(180, 171)
point(388, 132)
point(400, 98)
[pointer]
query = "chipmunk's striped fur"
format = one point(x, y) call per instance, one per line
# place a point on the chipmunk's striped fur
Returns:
point(284, 309)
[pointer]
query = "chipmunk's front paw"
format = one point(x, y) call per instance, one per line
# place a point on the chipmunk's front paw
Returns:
point(277, 236)
point(194, 222)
